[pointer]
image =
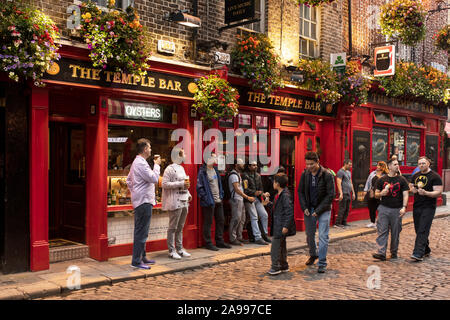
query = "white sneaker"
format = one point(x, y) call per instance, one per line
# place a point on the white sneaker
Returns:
point(371, 225)
point(174, 255)
point(184, 253)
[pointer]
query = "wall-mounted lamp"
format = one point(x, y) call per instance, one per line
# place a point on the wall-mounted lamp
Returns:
point(183, 18)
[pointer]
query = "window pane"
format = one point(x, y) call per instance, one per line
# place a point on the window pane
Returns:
point(301, 27)
point(311, 48)
point(412, 148)
point(313, 14)
point(417, 122)
point(262, 122)
point(245, 121)
point(400, 119)
point(301, 11)
point(304, 47)
point(306, 29)
point(379, 145)
point(313, 31)
point(227, 123)
point(398, 145)
point(306, 13)
point(380, 116)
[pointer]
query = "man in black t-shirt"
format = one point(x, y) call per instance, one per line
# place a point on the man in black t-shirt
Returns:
point(427, 187)
point(393, 190)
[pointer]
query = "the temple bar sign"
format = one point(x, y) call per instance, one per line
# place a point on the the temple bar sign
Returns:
point(238, 10)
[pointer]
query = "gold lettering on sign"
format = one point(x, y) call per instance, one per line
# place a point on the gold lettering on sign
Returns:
point(117, 77)
point(74, 70)
point(96, 74)
point(162, 83)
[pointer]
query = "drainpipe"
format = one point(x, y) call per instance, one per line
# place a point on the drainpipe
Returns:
point(195, 32)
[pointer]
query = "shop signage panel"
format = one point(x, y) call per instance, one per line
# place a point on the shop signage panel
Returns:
point(384, 61)
point(143, 111)
point(397, 103)
point(412, 148)
point(286, 102)
point(361, 164)
point(379, 145)
point(82, 72)
point(237, 10)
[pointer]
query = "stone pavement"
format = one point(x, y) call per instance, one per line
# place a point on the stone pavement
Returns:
point(32, 285)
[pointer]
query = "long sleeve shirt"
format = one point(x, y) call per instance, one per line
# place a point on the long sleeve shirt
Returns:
point(174, 195)
point(368, 185)
point(141, 181)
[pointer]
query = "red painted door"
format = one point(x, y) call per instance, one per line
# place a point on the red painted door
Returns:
point(67, 175)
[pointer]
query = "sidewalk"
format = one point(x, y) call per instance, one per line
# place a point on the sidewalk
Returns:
point(32, 285)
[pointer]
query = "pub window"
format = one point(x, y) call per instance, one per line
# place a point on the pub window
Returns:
point(245, 121)
point(379, 145)
point(382, 117)
point(142, 111)
point(228, 123)
point(417, 123)
point(120, 4)
point(413, 142)
point(309, 31)
point(398, 145)
point(400, 119)
point(262, 122)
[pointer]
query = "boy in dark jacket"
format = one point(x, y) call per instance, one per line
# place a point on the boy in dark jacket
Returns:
point(316, 193)
point(283, 225)
point(210, 192)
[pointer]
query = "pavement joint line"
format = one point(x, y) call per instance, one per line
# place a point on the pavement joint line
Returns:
point(240, 255)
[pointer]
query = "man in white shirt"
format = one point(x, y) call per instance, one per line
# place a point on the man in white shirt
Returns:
point(141, 182)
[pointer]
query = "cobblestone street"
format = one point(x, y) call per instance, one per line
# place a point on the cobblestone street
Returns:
point(346, 278)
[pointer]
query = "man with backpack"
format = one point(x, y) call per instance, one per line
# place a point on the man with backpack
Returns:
point(237, 197)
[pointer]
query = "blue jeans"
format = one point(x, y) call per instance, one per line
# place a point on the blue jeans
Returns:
point(142, 216)
point(324, 228)
point(255, 210)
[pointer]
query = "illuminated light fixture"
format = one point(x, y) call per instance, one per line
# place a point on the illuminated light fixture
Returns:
point(183, 18)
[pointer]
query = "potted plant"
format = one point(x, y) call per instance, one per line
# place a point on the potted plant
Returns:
point(215, 99)
point(404, 19)
point(442, 39)
point(28, 42)
point(352, 85)
point(254, 58)
point(115, 38)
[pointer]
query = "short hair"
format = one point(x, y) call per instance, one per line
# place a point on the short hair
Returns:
point(311, 155)
point(281, 169)
point(390, 161)
point(141, 144)
point(281, 179)
point(426, 158)
point(347, 161)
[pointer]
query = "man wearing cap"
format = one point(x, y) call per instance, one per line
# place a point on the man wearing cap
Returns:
point(426, 186)
point(253, 187)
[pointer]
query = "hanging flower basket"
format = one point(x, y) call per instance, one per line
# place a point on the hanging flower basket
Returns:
point(404, 19)
point(27, 42)
point(320, 78)
point(215, 99)
point(115, 38)
point(353, 86)
point(442, 39)
point(412, 81)
point(314, 3)
point(254, 58)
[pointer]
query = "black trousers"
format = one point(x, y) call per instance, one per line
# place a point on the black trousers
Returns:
point(423, 218)
point(209, 213)
point(278, 253)
point(373, 204)
point(344, 207)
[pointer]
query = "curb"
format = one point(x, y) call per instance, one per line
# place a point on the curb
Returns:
point(49, 288)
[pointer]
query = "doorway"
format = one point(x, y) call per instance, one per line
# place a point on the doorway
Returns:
point(67, 176)
point(287, 159)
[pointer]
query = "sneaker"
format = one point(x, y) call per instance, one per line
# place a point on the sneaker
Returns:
point(266, 239)
point(311, 260)
point(321, 269)
point(273, 272)
point(174, 255)
point(184, 253)
point(416, 258)
point(261, 242)
point(284, 270)
point(244, 240)
point(341, 226)
point(141, 266)
point(211, 247)
point(379, 256)
point(346, 225)
point(223, 245)
point(236, 243)
point(394, 256)
point(426, 255)
point(148, 261)
point(371, 225)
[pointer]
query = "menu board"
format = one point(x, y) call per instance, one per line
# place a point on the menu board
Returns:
point(379, 145)
point(412, 148)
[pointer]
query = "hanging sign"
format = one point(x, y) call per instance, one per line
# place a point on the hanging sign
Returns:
point(237, 10)
point(384, 61)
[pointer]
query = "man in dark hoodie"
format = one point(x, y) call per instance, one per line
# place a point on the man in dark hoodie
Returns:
point(316, 193)
point(210, 192)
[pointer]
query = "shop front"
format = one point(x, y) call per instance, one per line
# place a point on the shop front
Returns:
point(84, 126)
point(385, 127)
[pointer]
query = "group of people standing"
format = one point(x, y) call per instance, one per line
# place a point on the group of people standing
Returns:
point(387, 192)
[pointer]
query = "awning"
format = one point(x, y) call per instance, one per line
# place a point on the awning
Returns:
point(447, 129)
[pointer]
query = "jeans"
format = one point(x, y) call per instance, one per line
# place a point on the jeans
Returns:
point(388, 218)
point(278, 253)
point(373, 204)
point(177, 218)
point(208, 214)
point(324, 228)
point(237, 219)
point(142, 216)
point(344, 207)
point(423, 218)
point(255, 210)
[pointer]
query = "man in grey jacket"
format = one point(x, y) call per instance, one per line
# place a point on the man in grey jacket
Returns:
point(140, 181)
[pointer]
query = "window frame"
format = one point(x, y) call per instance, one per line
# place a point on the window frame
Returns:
point(308, 38)
point(375, 120)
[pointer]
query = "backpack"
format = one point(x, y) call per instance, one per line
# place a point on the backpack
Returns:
point(226, 186)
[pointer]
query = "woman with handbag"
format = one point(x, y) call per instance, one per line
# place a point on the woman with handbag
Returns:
point(372, 202)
